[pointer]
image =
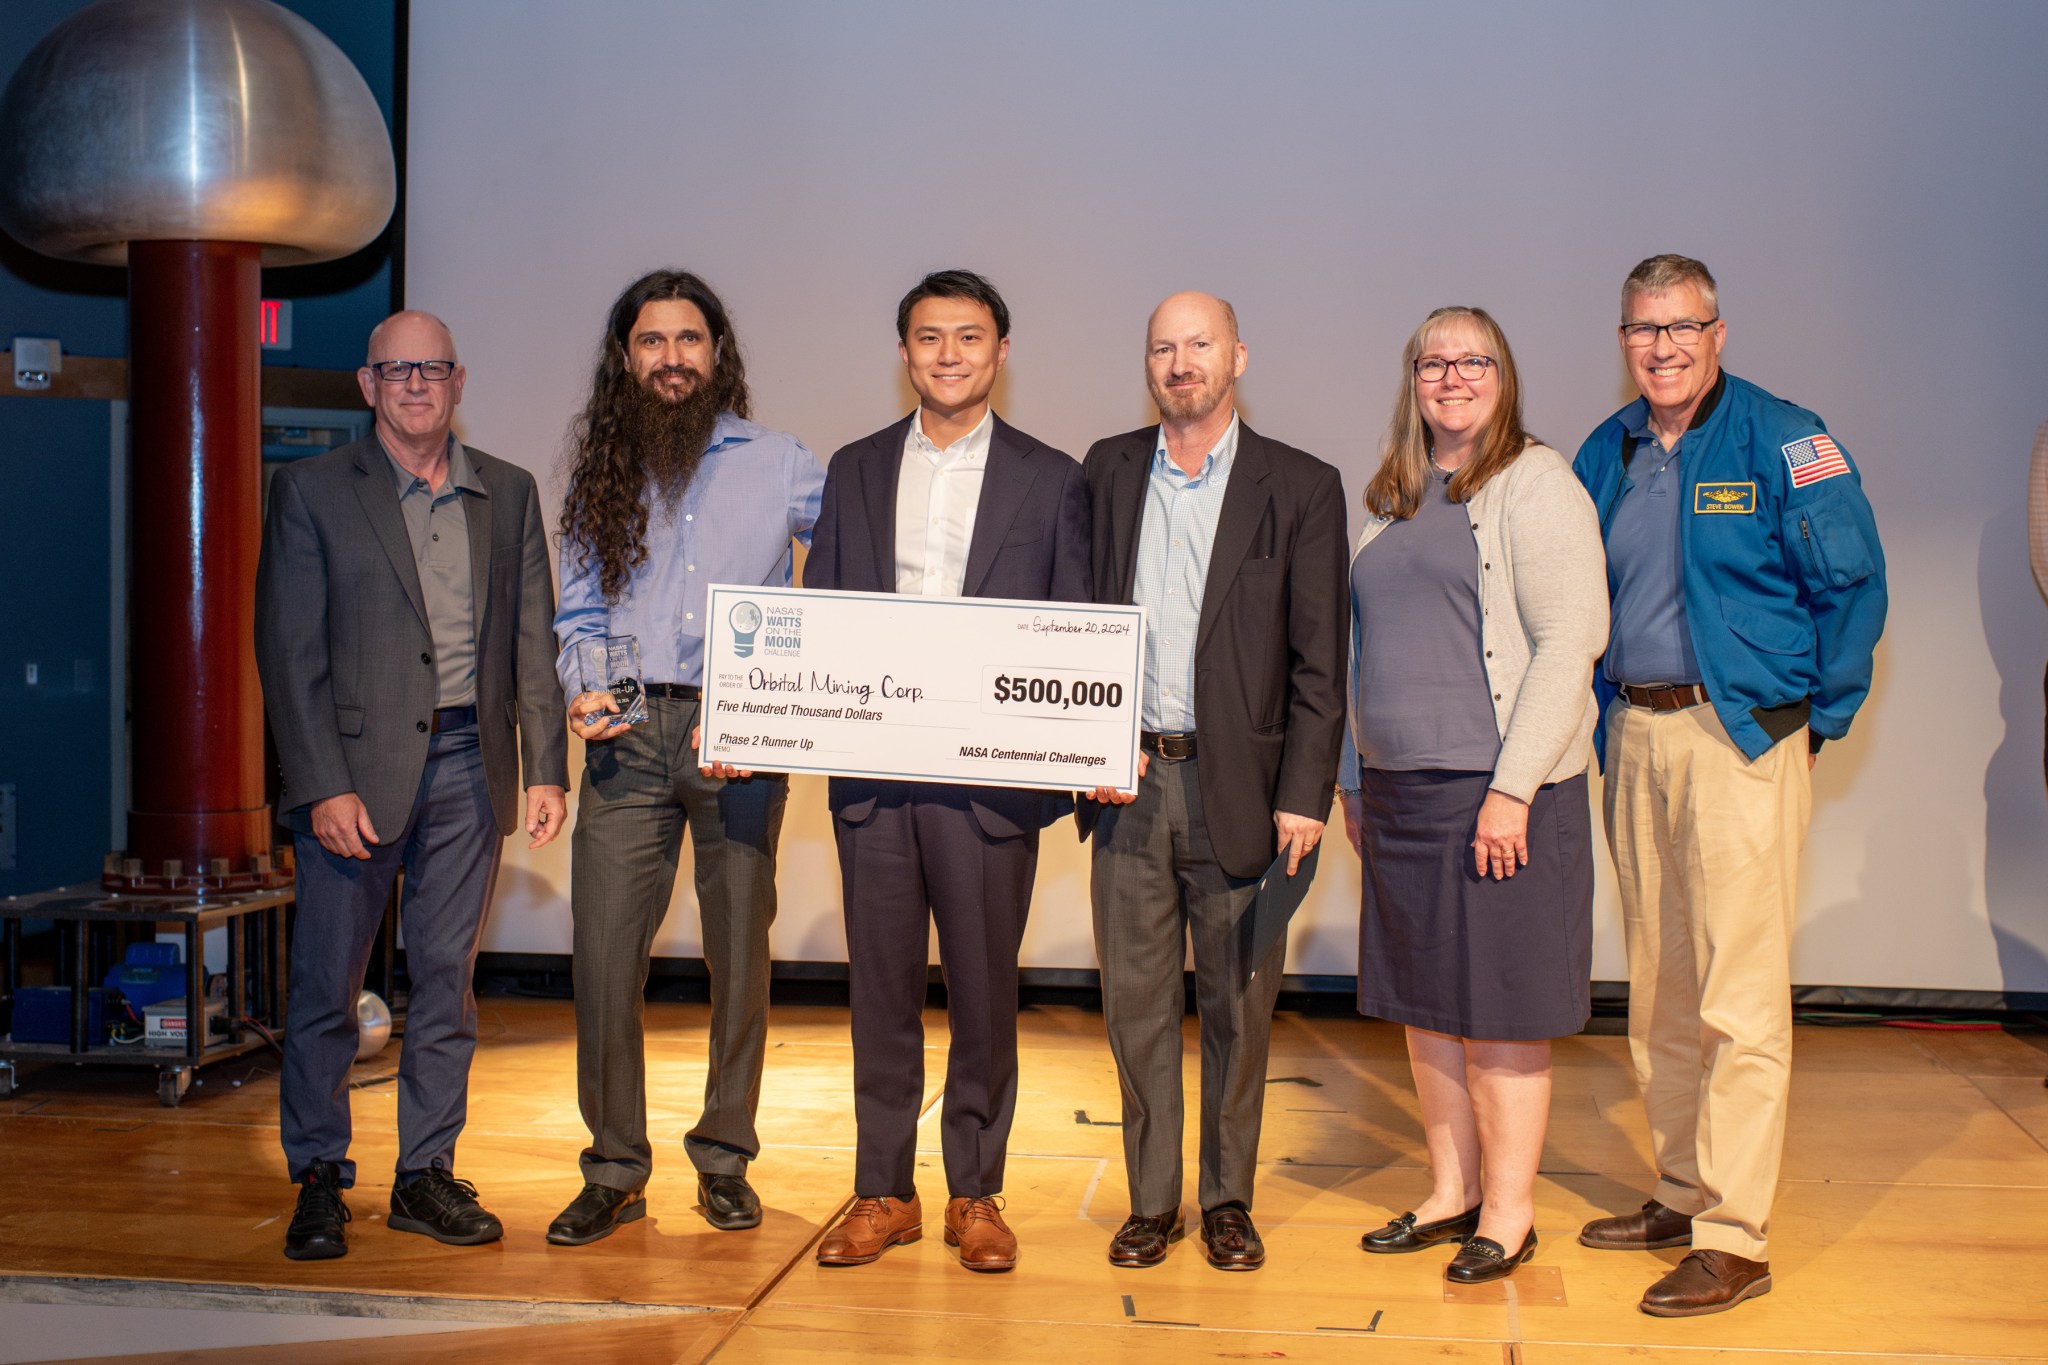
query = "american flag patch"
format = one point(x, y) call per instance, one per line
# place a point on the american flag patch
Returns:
point(1814, 459)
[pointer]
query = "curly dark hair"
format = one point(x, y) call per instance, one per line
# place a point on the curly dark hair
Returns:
point(605, 511)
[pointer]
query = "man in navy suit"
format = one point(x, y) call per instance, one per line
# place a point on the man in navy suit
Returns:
point(949, 502)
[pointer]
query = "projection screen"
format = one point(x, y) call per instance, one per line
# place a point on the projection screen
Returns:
point(1865, 178)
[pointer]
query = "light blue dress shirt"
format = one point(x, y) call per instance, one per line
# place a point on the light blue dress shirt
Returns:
point(1174, 540)
point(755, 490)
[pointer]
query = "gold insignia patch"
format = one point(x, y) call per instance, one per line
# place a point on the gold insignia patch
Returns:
point(1724, 497)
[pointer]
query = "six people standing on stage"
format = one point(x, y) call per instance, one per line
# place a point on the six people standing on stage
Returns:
point(671, 487)
point(1747, 595)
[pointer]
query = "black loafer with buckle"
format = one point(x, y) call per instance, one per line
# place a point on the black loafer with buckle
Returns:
point(1404, 1234)
point(1482, 1259)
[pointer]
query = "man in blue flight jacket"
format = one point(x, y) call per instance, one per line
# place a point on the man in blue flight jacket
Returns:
point(1748, 594)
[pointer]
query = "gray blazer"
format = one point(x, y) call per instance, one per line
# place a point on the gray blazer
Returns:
point(346, 656)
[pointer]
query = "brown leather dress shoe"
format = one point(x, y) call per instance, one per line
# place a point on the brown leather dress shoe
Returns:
point(1706, 1282)
point(870, 1228)
point(1230, 1240)
point(1650, 1228)
point(1142, 1241)
point(976, 1226)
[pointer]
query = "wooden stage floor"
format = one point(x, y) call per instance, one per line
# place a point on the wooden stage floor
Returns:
point(1912, 1223)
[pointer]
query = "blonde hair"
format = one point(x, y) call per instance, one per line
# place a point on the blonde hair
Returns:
point(1396, 489)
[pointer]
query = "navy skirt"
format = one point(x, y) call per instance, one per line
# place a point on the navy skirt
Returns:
point(1442, 948)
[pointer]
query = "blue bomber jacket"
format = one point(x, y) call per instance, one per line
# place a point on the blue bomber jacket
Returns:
point(1783, 574)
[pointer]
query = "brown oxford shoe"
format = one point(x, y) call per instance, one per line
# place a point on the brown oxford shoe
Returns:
point(1230, 1240)
point(1143, 1241)
point(870, 1228)
point(1706, 1282)
point(977, 1228)
point(1650, 1228)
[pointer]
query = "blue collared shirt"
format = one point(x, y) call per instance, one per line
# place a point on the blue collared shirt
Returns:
point(1174, 540)
point(755, 490)
point(1648, 641)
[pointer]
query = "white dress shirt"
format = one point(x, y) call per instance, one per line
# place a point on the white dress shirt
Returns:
point(937, 494)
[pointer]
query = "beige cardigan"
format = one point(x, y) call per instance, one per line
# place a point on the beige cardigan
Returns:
point(1543, 623)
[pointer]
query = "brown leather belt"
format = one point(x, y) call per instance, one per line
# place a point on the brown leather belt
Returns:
point(1665, 696)
point(1171, 748)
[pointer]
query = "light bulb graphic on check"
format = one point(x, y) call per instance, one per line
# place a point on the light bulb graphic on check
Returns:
point(746, 623)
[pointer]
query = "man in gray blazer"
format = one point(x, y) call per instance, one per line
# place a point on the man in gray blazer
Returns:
point(403, 633)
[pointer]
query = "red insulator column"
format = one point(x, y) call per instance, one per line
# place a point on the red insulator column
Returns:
point(196, 390)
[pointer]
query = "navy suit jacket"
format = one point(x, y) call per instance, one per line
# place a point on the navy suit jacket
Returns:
point(1031, 540)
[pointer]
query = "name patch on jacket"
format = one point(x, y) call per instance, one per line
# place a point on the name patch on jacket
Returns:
point(1724, 497)
point(1814, 459)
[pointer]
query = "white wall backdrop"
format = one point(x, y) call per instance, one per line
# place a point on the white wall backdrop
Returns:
point(1868, 178)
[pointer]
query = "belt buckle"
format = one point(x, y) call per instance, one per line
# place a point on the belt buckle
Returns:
point(1176, 748)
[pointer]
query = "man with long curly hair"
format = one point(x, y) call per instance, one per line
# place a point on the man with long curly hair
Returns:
point(671, 488)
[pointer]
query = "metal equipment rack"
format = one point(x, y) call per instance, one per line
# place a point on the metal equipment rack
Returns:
point(255, 922)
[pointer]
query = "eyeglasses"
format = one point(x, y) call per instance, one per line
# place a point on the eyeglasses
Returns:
point(399, 371)
point(1471, 368)
point(1686, 333)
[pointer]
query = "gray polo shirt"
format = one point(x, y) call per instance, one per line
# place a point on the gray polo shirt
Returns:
point(1649, 641)
point(438, 527)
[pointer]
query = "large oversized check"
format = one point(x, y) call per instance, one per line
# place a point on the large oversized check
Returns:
point(932, 689)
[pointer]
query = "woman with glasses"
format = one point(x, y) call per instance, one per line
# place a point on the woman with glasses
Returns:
point(1479, 604)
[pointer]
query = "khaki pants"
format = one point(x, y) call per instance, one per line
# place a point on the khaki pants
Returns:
point(1706, 846)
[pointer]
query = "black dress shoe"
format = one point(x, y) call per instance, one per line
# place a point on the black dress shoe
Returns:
point(1230, 1240)
point(315, 1232)
point(595, 1213)
point(1142, 1241)
point(729, 1202)
point(1482, 1259)
point(1405, 1234)
point(443, 1208)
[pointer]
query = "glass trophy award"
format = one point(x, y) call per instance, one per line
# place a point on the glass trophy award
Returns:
point(613, 665)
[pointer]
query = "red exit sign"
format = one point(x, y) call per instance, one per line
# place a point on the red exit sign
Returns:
point(274, 324)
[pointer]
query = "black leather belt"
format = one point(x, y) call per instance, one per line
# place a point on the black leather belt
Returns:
point(454, 718)
point(674, 691)
point(1171, 748)
point(1665, 696)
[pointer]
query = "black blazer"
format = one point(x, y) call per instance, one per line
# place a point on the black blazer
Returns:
point(345, 653)
point(1270, 650)
point(1030, 541)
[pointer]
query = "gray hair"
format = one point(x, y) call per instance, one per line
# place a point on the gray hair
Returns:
point(1662, 274)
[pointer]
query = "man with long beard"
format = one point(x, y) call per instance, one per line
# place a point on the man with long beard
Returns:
point(671, 488)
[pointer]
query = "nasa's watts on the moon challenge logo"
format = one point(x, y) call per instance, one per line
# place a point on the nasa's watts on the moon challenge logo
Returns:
point(776, 632)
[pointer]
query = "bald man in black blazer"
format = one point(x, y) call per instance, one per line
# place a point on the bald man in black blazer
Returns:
point(1235, 546)
point(953, 502)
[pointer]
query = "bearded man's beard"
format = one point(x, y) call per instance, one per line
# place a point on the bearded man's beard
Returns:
point(667, 437)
